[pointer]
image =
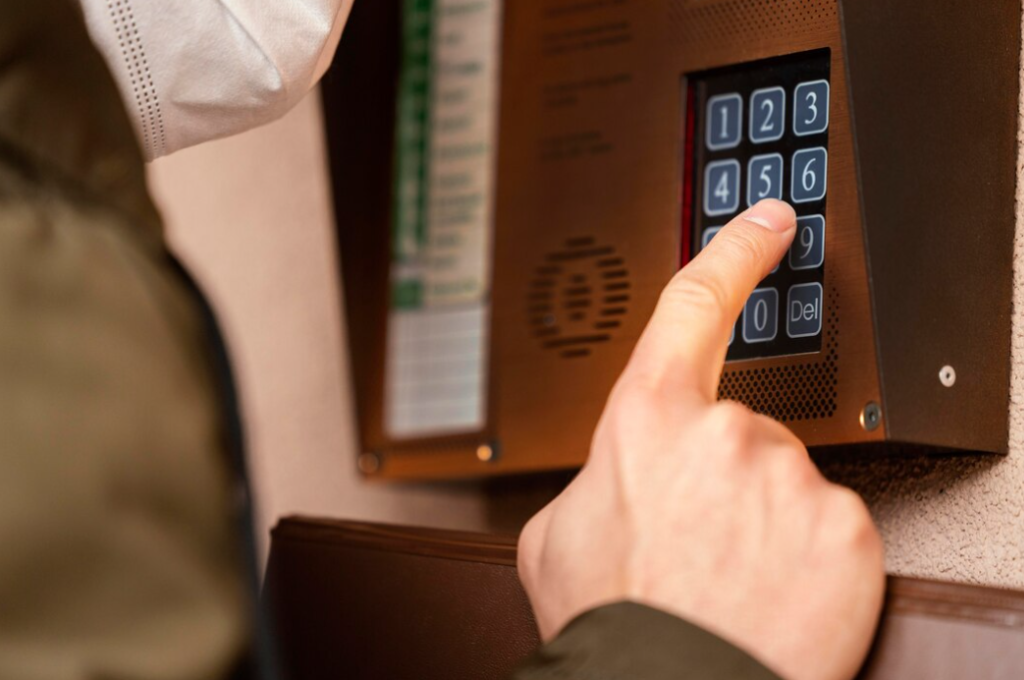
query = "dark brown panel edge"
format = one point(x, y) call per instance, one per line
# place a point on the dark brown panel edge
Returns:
point(938, 206)
point(904, 595)
point(359, 98)
point(449, 544)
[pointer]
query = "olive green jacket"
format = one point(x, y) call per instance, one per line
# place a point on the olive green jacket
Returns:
point(120, 558)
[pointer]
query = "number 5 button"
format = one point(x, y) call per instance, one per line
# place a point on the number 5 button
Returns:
point(764, 178)
point(810, 175)
point(808, 251)
point(810, 108)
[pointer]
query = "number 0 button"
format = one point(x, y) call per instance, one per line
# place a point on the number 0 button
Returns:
point(810, 175)
point(761, 316)
point(722, 187)
point(810, 108)
point(764, 178)
point(725, 121)
point(767, 115)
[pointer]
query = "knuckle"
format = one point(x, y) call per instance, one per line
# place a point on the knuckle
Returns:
point(852, 521)
point(703, 294)
point(745, 245)
point(731, 427)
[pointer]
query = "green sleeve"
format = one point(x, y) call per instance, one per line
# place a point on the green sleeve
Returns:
point(628, 641)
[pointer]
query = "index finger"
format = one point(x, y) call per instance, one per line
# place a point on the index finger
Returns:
point(686, 340)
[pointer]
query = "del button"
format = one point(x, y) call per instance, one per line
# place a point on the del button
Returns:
point(803, 310)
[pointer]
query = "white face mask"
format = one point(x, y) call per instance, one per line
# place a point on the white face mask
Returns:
point(195, 70)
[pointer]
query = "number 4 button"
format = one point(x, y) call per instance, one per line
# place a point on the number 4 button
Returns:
point(721, 187)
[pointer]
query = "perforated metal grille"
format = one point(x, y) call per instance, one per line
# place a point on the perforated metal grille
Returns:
point(711, 21)
point(578, 297)
point(796, 392)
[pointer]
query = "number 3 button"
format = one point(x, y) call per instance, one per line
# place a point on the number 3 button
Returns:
point(810, 175)
point(810, 108)
point(764, 178)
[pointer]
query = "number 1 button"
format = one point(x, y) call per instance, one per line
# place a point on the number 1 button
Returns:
point(810, 108)
point(767, 115)
point(725, 121)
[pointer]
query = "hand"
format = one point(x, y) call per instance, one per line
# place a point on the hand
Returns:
point(706, 510)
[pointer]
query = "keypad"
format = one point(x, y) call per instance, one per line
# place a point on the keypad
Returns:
point(759, 131)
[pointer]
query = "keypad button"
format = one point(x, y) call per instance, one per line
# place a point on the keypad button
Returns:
point(724, 121)
point(803, 310)
point(708, 234)
point(721, 187)
point(808, 249)
point(761, 316)
point(810, 108)
point(764, 178)
point(809, 175)
point(767, 115)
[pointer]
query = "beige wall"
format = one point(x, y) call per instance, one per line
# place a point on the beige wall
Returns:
point(251, 215)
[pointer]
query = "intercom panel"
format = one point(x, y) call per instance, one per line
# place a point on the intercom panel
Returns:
point(528, 247)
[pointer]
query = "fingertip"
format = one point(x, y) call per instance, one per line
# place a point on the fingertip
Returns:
point(772, 214)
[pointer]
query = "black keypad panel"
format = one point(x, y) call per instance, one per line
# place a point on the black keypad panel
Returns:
point(756, 131)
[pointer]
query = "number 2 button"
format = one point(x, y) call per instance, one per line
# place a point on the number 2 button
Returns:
point(810, 108)
point(810, 175)
point(767, 115)
point(764, 178)
point(722, 187)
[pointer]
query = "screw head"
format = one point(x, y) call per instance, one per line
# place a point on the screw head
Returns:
point(369, 463)
point(947, 376)
point(871, 417)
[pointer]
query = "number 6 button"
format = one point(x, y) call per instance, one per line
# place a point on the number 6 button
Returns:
point(808, 250)
point(810, 175)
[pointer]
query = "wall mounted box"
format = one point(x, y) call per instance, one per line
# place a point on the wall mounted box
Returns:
point(618, 152)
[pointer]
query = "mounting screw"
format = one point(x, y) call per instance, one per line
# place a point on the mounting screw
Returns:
point(369, 463)
point(947, 376)
point(871, 416)
point(487, 453)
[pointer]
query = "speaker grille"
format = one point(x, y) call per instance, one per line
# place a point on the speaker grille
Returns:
point(796, 392)
point(705, 22)
point(578, 297)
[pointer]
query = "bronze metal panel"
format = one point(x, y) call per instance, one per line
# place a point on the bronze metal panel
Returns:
point(620, 188)
point(938, 191)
